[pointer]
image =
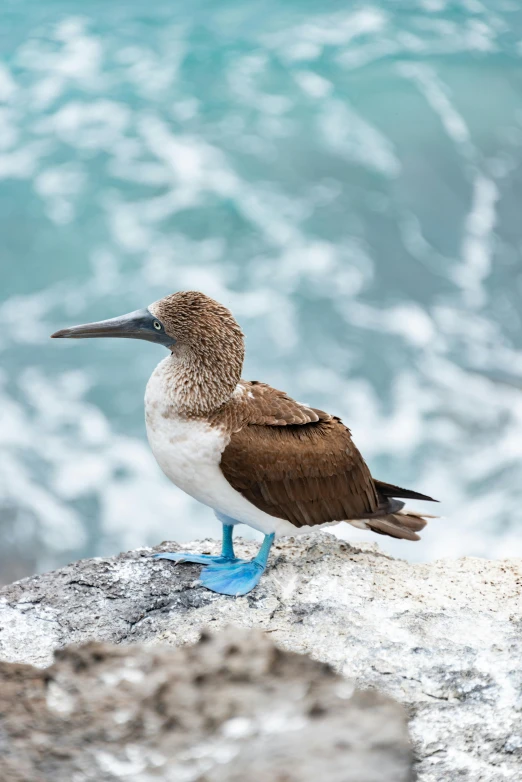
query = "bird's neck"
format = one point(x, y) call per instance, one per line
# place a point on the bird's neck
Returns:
point(192, 386)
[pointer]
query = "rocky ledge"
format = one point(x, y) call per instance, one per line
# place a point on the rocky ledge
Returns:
point(443, 639)
point(231, 708)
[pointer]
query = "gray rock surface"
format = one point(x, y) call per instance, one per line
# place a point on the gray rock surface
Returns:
point(231, 708)
point(445, 638)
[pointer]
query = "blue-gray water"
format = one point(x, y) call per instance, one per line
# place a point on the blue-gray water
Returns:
point(345, 176)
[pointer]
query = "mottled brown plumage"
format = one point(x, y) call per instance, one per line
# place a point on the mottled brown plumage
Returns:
point(300, 464)
point(208, 353)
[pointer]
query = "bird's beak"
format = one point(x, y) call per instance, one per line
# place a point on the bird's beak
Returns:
point(140, 324)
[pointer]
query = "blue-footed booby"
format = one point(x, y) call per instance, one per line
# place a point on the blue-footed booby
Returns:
point(249, 452)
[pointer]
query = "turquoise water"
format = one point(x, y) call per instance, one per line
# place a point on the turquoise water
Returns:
point(345, 176)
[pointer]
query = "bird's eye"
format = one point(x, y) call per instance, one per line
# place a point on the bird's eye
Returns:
point(157, 325)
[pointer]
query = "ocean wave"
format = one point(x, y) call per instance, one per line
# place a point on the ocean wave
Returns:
point(346, 182)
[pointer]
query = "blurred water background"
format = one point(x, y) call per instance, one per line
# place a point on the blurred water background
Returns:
point(345, 176)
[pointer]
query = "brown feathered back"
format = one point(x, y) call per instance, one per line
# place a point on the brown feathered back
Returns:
point(292, 461)
point(298, 463)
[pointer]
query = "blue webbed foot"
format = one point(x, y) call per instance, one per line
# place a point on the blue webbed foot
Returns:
point(227, 556)
point(235, 579)
point(226, 574)
point(200, 559)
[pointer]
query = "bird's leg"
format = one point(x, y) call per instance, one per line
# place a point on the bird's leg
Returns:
point(237, 578)
point(227, 556)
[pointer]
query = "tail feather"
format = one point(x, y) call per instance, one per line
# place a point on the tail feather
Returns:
point(389, 490)
point(391, 517)
point(403, 524)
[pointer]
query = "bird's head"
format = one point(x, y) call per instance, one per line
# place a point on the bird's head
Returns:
point(201, 334)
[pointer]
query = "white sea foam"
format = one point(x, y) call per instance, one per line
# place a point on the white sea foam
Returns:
point(329, 180)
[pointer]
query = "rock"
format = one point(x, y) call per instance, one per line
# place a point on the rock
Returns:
point(443, 638)
point(231, 708)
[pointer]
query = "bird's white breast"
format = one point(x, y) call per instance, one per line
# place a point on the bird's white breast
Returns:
point(189, 453)
point(185, 449)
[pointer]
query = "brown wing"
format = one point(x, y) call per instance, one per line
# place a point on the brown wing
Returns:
point(307, 473)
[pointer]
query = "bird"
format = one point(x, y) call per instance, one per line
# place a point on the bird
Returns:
point(248, 451)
